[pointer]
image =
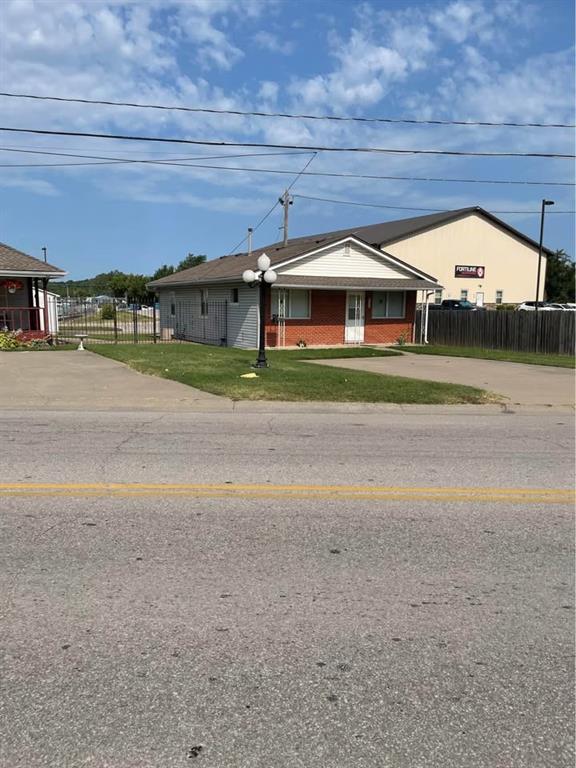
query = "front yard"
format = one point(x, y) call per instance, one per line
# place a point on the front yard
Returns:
point(219, 370)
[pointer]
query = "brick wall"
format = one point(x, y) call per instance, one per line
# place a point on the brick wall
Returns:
point(388, 331)
point(327, 319)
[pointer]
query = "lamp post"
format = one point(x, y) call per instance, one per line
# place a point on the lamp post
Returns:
point(544, 204)
point(264, 277)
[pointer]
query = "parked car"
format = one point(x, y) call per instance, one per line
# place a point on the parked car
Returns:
point(463, 304)
point(569, 307)
point(544, 306)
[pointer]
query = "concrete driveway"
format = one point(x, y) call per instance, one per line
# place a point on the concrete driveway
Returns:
point(521, 384)
point(85, 381)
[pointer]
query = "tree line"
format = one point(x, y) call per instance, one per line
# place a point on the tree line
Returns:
point(122, 284)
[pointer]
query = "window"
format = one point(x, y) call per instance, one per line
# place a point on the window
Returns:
point(204, 302)
point(172, 304)
point(293, 304)
point(388, 304)
point(464, 295)
point(438, 296)
point(234, 296)
point(499, 297)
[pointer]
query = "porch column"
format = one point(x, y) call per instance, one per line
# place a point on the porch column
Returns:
point(35, 319)
point(46, 328)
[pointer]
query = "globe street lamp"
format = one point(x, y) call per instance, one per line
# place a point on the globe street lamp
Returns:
point(264, 277)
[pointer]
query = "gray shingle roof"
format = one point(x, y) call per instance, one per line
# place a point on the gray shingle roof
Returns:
point(378, 235)
point(362, 283)
point(13, 260)
point(230, 268)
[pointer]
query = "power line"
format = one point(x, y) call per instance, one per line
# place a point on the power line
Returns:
point(313, 148)
point(405, 208)
point(176, 162)
point(247, 113)
point(269, 213)
point(146, 160)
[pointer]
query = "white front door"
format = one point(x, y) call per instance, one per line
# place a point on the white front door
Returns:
point(479, 299)
point(354, 329)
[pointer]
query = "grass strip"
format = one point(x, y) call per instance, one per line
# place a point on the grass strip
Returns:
point(219, 369)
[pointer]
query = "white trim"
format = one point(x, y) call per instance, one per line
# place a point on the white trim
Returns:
point(293, 286)
point(27, 273)
point(350, 238)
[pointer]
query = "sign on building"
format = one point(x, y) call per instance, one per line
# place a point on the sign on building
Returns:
point(461, 270)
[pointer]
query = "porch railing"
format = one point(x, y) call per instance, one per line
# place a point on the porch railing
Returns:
point(20, 319)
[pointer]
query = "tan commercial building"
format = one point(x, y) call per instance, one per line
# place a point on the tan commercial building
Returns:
point(473, 255)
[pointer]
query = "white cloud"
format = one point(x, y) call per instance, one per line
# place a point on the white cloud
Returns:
point(363, 76)
point(37, 186)
point(268, 90)
point(271, 42)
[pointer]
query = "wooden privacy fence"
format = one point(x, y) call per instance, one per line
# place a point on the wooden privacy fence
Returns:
point(552, 332)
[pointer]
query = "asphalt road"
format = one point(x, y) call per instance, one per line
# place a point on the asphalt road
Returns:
point(310, 591)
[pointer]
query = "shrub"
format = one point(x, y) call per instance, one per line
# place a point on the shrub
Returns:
point(107, 312)
point(11, 340)
point(402, 340)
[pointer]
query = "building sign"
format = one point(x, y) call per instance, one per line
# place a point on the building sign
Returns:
point(466, 271)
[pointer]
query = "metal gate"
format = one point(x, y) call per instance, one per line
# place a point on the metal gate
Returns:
point(205, 323)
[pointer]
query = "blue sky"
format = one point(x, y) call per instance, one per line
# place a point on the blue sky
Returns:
point(494, 60)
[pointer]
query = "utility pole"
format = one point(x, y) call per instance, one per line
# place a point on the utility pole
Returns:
point(286, 201)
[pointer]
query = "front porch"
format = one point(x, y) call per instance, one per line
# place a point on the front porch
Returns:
point(26, 307)
point(327, 317)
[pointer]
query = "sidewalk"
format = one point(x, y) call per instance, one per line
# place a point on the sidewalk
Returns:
point(77, 381)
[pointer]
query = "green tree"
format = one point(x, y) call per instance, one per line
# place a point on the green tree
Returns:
point(163, 271)
point(136, 287)
point(190, 261)
point(560, 277)
point(119, 285)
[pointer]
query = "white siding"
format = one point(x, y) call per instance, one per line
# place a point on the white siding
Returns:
point(242, 328)
point(336, 262)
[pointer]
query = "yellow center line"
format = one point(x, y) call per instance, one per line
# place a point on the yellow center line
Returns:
point(252, 487)
point(255, 491)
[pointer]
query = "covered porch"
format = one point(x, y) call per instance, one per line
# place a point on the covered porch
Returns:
point(332, 311)
point(26, 305)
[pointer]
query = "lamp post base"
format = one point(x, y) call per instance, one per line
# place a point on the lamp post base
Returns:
point(260, 363)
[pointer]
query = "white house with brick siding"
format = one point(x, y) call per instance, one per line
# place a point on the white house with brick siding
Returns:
point(330, 290)
point(354, 285)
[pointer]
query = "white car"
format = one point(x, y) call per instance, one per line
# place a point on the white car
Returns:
point(543, 306)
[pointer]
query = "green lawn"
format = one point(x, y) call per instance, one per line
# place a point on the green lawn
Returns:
point(533, 358)
point(218, 370)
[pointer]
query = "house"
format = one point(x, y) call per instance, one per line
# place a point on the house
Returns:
point(25, 303)
point(355, 285)
point(331, 289)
